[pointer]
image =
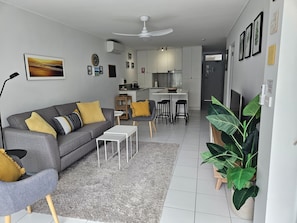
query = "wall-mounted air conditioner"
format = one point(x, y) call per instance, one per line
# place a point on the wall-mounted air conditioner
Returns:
point(114, 47)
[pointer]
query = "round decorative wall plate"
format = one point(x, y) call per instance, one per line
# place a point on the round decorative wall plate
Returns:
point(95, 59)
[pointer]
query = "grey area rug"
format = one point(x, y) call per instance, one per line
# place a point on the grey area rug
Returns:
point(136, 193)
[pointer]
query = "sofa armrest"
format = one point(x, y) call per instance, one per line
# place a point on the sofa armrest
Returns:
point(42, 149)
point(109, 115)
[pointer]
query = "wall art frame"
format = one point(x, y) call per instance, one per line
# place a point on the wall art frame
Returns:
point(248, 41)
point(44, 67)
point(112, 71)
point(100, 69)
point(241, 46)
point(257, 34)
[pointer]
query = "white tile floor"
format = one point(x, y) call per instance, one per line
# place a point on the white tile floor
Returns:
point(191, 196)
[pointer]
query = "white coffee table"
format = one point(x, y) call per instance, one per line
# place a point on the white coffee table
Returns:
point(111, 138)
point(128, 131)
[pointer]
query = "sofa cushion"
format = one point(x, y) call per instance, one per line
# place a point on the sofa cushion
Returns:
point(70, 142)
point(65, 109)
point(68, 123)
point(95, 129)
point(18, 120)
point(9, 169)
point(38, 124)
point(91, 112)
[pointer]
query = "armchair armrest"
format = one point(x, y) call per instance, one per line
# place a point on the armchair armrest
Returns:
point(42, 149)
point(109, 115)
point(17, 195)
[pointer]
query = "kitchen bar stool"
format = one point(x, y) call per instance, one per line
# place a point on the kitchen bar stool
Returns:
point(164, 109)
point(179, 113)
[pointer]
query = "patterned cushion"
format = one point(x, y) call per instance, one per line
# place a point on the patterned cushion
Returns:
point(68, 123)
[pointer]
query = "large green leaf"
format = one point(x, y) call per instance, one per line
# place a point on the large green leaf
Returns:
point(240, 196)
point(239, 177)
point(253, 108)
point(216, 149)
point(207, 157)
point(216, 109)
point(250, 149)
point(215, 101)
point(225, 123)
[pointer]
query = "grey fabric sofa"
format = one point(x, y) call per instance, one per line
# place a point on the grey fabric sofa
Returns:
point(44, 150)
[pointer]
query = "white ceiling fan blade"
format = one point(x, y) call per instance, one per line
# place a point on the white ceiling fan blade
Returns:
point(125, 34)
point(144, 33)
point(160, 32)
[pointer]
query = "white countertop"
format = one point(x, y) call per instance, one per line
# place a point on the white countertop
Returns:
point(165, 92)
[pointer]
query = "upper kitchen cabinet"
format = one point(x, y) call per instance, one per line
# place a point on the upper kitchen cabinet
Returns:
point(170, 59)
point(174, 59)
point(152, 62)
point(157, 61)
point(141, 61)
point(162, 61)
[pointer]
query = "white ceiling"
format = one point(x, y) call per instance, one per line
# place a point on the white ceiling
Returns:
point(191, 20)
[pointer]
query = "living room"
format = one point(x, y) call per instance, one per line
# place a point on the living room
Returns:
point(26, 33)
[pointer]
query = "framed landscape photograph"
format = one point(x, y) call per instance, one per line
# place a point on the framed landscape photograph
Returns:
point(257, 34)
point(248, 41)
point(44, 68)
point(241, 46)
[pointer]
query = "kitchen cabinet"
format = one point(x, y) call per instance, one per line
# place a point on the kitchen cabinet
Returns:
point(157, 61)
point(192, 69)
point(174, 59)
point(152, 63)
point(162, 62)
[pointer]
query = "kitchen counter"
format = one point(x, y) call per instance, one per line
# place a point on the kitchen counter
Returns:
point(137, 94)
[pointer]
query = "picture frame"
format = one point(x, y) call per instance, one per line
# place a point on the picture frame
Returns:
point(248, 41)
point(100, 69)
point(112, 70)
point(90, 70)
point(44, 67)
point(241, 46)
point(257, 34)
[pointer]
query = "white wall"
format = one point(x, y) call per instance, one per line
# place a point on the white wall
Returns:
point(23, 32)
point(248, 74)
point(277, 160)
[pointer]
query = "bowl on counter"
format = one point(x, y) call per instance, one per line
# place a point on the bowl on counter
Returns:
point(172, 90)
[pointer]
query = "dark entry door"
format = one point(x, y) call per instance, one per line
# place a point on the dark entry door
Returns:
point(213, 73)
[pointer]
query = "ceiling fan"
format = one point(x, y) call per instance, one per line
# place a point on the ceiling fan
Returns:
point(146, 34)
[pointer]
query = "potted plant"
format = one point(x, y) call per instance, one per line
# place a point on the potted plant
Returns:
point(236, 160)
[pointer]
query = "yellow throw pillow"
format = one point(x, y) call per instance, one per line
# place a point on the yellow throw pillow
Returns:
point(140, 108)
point(9, 170)
point(38, 124)
point(90, 112)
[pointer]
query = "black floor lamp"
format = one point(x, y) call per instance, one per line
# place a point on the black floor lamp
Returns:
point(10, 77)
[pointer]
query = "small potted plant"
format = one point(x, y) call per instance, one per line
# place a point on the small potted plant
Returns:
point(236, 160)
